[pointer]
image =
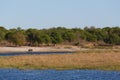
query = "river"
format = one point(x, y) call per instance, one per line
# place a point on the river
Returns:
point(31, 53)
point(15, 74)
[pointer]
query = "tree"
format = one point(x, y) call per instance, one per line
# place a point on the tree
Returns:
point(2, 35)
point(56, 38)
point(32, 36)
point(16, 38)
point(68, 36)
point(3, 32)
point(46, 38)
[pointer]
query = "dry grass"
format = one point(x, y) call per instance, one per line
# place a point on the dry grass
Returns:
point(104, 61)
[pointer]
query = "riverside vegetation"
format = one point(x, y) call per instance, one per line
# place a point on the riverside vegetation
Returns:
point(46, 37)
point(90, 59)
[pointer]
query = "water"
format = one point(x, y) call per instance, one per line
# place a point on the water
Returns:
point(15, 74)
point(31, 53)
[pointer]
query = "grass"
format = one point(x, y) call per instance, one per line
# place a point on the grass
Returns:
point(99, 51)
point(93, 59)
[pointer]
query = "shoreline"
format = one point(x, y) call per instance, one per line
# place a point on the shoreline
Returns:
point(38, 49)
point(90, 59)
point(56, 49)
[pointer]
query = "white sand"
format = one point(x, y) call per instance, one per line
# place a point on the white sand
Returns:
point(37, 49)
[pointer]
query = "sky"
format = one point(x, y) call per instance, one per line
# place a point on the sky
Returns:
point(53, 13)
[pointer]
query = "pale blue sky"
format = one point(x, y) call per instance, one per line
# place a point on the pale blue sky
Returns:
point(52, 13)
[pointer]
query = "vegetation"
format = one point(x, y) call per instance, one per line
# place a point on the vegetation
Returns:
point(60, 35)
point(100, 60)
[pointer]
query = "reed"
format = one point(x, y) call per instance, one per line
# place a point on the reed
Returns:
point(91, 60)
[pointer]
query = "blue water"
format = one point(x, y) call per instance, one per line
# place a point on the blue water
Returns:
point(31, 53)
point(15, 74)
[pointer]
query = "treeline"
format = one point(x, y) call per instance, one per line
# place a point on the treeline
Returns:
point(59, 35)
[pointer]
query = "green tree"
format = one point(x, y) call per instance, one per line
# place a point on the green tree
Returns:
point(3, 32)
point(46, 39)
point(32, 36)
point(16, 38)
point(56, 38)
point(68, 36)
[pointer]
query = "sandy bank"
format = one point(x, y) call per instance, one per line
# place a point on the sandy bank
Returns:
point(37, 49)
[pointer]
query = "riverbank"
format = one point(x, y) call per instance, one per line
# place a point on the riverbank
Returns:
point(104, 60)
point(40, 49)
point(62, 48)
